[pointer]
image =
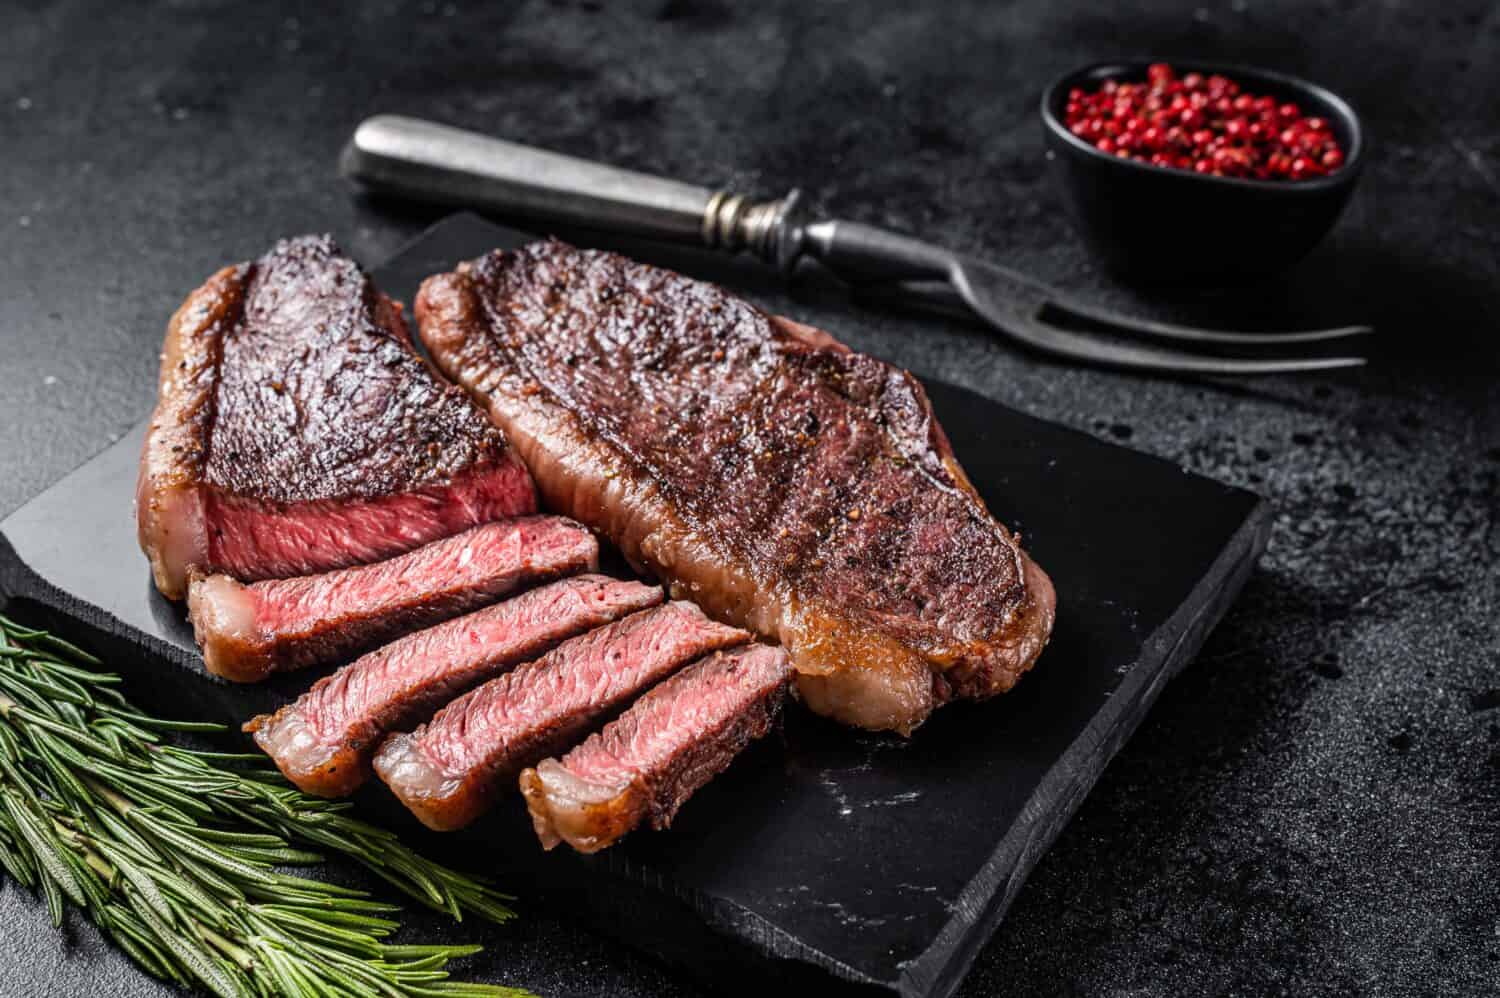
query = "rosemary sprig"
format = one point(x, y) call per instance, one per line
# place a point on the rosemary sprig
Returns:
point(178, 853)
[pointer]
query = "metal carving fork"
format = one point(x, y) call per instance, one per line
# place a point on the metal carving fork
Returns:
point(432, 162)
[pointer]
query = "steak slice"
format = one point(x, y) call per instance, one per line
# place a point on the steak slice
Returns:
point(448, 770)
point(647, 762)
point(249, 631)
point(296, 430)
point(764, 470)
point(324, 741)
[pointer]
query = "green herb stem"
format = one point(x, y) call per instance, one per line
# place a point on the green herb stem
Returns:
point(178, 854)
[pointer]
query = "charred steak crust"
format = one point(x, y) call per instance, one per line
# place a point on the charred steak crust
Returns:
point(779, 479)
point(323, 358)
point(289, 387)
point(247, 632)
point(169, 506)
point(324, 741)
point(645, 764)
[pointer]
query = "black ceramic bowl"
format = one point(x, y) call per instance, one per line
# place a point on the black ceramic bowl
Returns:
point(1159, 224)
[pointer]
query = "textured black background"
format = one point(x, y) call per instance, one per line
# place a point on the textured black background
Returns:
point(1314, 807)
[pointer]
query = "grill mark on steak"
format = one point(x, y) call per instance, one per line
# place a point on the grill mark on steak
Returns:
point(448, 771)
point(247, 632)
point(324, 741)
point(782, 481)
point(297, 430)
point(647, 762)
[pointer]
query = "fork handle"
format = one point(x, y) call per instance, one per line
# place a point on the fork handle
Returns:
point(431, 162)
point(861, 253)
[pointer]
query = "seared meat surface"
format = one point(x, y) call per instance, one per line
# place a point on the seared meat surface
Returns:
point(249, 631)
point(296, 430)
point(781, 481)
point(645, 764)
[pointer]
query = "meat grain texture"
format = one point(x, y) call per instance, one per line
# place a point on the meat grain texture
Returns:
point(644, 765)
point(324, 741)
point(449, 771)
point(247, 632)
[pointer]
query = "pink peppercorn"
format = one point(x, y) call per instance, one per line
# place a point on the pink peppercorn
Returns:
point(1207, 125)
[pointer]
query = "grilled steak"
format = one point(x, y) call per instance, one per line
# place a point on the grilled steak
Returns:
point(296, 430)
point(324, 741)
point(249, 631)
point(783, 482)
point(448, 770)
point(646, 763)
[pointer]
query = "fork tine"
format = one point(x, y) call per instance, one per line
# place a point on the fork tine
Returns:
point(1059, 342)
point(942, 294)
point(1149, 328)
point(1068, 344)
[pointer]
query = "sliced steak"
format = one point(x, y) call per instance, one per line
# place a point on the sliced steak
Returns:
point(325, 740)
point(296, 430)
point(249, 631)
point(647, 762)
point(448, 771)
point(780, 480)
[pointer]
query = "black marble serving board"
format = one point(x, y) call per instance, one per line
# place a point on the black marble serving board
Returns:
point(824, 856)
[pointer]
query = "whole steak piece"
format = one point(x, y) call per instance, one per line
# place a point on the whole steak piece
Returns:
point(296, 430)
point(645, 764)
point(767, 472)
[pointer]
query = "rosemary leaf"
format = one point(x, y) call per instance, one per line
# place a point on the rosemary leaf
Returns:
point(282, 856)
point(373, 925)
point(44, 850)
point(54, 900)
point(253, 839)
point(423, 953)
point(139, 879)
point(200, 963)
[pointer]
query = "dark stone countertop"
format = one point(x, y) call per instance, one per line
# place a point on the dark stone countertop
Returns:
point(1314, 806)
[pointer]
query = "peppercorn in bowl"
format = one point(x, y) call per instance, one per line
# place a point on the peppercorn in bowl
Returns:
point(1192, 172)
